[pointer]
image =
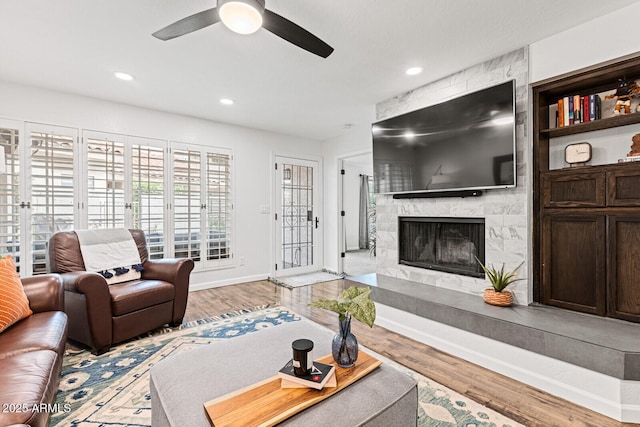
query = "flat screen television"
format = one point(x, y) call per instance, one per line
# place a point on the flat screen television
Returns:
point(466, 143)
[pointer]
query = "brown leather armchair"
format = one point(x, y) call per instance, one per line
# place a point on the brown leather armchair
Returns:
point(101, 315)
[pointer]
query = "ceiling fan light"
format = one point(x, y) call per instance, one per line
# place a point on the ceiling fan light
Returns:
point(241, 16)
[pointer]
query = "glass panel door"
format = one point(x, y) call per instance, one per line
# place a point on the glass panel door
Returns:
point(298, 218)
point(148, 189)
point(218, 196)
point(203, 206)
point(52, 197)
point(9, 192)
point(188, 206)
point(105, 181)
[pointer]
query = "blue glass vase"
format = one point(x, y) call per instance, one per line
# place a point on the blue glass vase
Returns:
point(344, 346)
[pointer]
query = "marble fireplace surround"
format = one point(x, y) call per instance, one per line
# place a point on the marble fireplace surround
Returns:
point(505, 211)
point(588, 360)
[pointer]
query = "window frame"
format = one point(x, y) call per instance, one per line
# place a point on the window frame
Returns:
point(81, 188)
point(205, 150)
point(26, 240)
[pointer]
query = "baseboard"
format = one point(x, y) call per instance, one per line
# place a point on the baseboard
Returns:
point(227, 282)
point(615, 398)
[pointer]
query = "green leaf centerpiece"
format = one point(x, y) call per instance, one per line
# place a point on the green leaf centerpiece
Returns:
point(354, 301)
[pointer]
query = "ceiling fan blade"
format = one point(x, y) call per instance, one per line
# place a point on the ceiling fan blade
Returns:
point(295, 34)
point(188, 25)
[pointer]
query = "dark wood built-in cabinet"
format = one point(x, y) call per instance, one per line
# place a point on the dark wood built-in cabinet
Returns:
point(574, 262)
point(586, 219)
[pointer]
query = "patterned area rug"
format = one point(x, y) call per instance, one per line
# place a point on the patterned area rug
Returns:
point(306, 279)
point(113, 389)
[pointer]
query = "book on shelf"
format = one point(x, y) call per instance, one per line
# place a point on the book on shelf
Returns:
point(320, 375)
point(595, 101)
point(560, 120)
point(553, 116)
point(586, 117)
point(629, 159)
point(576, 109)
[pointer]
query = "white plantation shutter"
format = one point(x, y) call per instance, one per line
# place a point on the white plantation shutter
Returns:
point(9, 193)
point(203, 207)
point(187, 203)
point(105, 183)
point(148, 204)
point(180, 197)
point(52, 187)
point(219, 206)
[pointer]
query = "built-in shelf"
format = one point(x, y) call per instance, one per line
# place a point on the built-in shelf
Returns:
point(586, 221)
point(593, 168)
point(606, 123)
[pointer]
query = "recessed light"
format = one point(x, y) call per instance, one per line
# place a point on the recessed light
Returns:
point(123, 76)
point(226, 101)
point(413, 71)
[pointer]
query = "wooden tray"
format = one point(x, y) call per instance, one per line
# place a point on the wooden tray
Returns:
point(267, 404)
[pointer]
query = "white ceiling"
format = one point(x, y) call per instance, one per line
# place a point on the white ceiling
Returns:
point(75, 45)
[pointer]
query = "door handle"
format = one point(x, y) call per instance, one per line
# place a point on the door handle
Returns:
point(317, 220)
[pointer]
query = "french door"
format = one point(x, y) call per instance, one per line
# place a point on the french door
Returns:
point(298, 216)
point(51, 201)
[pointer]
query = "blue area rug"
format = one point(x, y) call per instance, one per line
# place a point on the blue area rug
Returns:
point(113, 389)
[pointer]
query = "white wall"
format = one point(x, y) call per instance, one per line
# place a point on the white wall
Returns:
point(252, 151)
point(355, 142)
point(605, 38)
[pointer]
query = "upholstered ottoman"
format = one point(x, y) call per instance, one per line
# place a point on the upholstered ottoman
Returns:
point(182, 383)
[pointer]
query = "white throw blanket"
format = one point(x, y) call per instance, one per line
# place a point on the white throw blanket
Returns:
point(110, 252)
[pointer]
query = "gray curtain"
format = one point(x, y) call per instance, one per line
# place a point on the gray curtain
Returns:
point(363, 216)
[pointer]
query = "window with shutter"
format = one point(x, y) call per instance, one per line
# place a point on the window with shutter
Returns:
point(52, 196)
point(105, 183)
point(9, 193)
point(148, 204)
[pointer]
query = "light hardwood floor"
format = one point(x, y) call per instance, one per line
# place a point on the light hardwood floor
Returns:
point(527, 405)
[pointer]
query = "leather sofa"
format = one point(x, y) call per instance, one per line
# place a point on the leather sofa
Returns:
point(101, 315)
point(31, 353)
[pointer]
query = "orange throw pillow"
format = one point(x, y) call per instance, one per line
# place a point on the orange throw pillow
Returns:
point(14, 304)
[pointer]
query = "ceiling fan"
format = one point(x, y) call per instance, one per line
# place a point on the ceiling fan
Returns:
point(246, 17)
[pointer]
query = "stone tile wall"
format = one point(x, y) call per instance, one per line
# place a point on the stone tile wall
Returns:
point(508, 226)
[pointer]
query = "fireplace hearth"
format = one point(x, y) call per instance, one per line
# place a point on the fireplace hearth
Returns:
point(443, 244)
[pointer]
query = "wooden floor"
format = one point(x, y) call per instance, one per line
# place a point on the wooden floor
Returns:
point(527, 405)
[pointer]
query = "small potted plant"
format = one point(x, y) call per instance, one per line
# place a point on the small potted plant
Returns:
point(353, 302)
point(500, 279)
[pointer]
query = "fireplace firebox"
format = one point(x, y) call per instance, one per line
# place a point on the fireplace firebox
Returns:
point(444, 244)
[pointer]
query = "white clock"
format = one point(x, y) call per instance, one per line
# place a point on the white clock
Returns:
point(577, 154)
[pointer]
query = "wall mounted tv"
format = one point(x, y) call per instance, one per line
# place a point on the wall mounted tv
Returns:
point(466, 143)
